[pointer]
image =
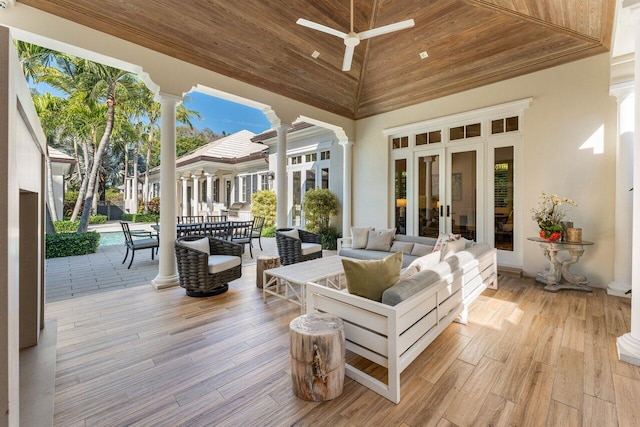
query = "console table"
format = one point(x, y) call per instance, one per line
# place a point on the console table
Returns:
point(556, 274)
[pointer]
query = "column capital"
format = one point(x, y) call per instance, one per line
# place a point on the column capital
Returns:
point(346, 143)
point(166, 97)
point(621, 90)
point(185, 178)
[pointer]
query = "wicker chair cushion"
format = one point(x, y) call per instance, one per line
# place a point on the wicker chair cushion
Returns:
point(201, 245)
point(291, 233)
point(218, 263)
point(310, 248)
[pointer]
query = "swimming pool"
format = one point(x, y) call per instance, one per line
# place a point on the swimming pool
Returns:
point(111, 238)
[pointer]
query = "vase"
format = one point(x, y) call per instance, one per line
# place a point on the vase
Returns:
point(550, 236)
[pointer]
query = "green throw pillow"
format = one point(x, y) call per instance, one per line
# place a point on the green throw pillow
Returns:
point(369, 279)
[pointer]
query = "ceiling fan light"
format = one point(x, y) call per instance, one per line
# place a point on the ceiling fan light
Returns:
point(352, 40)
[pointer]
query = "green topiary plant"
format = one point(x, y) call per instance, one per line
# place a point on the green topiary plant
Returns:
point(319, 206)
point(263, 203)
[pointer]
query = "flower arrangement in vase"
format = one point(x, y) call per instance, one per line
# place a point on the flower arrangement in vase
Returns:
point(549, 214)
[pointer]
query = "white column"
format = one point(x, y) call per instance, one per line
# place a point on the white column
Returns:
point(195, 204)
point(167, 274)
point(185, 196)
point(347, 174)
point(127, 194)
point(134, 190)
point(281, 177)
point(624, 198)
point(209, 193)
point(629, 343)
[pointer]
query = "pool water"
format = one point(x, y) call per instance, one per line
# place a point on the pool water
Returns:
point(111, 238)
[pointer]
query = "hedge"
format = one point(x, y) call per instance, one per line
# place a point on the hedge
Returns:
point(70, 244)
point(140, 217)
point(66, 226)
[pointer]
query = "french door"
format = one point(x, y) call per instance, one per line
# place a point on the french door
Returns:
point(448, 191)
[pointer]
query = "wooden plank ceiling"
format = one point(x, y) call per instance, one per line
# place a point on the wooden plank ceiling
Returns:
point(470, 42)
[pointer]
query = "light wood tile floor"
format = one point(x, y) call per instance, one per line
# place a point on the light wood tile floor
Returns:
point(158, 358)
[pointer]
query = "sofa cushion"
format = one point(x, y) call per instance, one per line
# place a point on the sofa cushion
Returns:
point(218, 263)
point(310, 248)
point(369, 279)
point(359, 237)
point(404, 247)
point(201, 245)
point(409, 286)
point(429, 241)
point(291, 233)
point(380, 240)
point(421, 250)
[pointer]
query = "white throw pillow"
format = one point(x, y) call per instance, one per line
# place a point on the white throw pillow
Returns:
point(421, 250)
point(380, 240)
point(359, 237)
point(451, 247)
point(404, 247)
point(425, 262)
point(199, 245)
point(291, 233)
point(442, 238)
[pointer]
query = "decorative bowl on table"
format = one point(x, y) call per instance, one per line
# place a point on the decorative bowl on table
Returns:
point(550, 235)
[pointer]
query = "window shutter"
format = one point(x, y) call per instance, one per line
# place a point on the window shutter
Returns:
point(236, 189)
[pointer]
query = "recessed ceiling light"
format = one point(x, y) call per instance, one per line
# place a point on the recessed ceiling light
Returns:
point(424, 55)
point(315, 54)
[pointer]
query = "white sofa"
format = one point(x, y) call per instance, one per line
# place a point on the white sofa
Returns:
point(393, 336)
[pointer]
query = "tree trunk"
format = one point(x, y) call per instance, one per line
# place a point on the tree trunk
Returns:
point(85, 182)
point(96, 194)
point(97, 158)
point(134, 185)
point(126, 171)
point(317, 356)
point(146, 173)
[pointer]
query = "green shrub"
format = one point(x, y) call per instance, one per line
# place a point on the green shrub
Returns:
point(139, 217)
point(113, 194)
point(263, 203)
point(269, 231)
point(154, 206)
point(66, 226)
point(319, 206)
point(98, 219)
point(71, 244)
point(330, 239)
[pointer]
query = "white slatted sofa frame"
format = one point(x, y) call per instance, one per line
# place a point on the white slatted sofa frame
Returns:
point(393, 336)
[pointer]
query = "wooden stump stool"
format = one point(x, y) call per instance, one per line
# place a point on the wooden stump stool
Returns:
point(265, 262)
point(317, 356)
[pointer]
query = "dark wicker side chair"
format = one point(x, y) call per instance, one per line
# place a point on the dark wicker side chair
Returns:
point(292, 250)
point(205, 274)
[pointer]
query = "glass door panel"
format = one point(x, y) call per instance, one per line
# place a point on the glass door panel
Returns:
point(503, 190)
point(429, 201)
point(400, 195)
point(463, 192)
point(296, 209)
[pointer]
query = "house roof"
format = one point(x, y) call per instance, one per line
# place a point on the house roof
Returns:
point(58, 156)
point(232, 149)
point(470, 43)
point(272, 133)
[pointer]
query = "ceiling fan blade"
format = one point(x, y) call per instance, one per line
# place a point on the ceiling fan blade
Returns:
point(348, 56)
point(320, 27)
point(386, 29)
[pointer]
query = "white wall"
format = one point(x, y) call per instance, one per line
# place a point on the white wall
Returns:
point(21, 167)
point(571, 108)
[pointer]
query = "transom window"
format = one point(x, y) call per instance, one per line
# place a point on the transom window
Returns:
point(433, 137)
point(508, 124)
point(466, 131)
point(401, 142)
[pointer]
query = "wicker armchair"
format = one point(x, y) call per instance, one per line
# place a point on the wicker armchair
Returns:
point(292, 250)
point(203, 275)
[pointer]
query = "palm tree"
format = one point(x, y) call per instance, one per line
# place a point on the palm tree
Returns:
point(99, 83)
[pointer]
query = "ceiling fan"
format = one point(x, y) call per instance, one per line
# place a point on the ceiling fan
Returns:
point(352, 39)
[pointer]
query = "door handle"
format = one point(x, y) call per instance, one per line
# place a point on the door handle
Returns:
point(448, 211)
point(441, 210)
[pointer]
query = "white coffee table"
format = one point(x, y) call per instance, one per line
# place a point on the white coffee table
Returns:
point(288, 282)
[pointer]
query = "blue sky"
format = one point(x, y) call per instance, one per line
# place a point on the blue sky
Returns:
point(217, 114)
point(222, 115)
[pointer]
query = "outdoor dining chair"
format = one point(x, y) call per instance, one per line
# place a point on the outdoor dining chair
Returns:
point(135, 240)
point(221, 230)
point(258, 224)
point(216, 218)
point(241, 232)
